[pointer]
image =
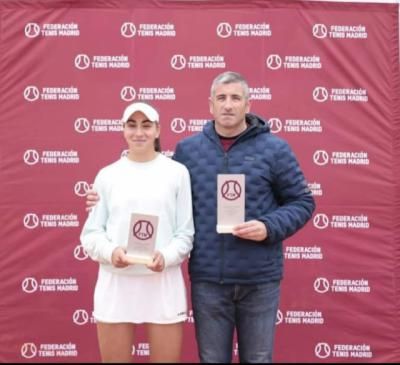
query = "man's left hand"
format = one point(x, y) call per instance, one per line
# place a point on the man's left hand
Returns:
point(251, 230)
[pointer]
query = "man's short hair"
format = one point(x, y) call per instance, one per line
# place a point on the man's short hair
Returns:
point(230, 77)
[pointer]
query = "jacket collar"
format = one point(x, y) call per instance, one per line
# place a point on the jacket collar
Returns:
point(256, 125)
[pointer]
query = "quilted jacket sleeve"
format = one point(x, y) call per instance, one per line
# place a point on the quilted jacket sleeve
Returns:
point(296, 203)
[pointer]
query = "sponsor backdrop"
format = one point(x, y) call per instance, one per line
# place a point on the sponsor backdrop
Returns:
point(326, 77)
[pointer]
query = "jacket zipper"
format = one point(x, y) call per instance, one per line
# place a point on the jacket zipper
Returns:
point(222, 248)
point(223, 243)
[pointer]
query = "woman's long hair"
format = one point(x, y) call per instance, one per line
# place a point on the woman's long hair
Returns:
point(157, 145)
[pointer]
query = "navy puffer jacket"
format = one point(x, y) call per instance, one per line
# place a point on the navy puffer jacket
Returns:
point(276, 194)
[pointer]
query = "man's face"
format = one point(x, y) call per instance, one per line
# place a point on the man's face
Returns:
point(229, 106)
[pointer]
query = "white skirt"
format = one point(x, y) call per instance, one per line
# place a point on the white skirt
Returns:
point(154, 298)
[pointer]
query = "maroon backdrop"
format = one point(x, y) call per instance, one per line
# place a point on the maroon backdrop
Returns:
point(325, 75)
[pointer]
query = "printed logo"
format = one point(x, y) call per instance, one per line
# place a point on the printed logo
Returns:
point(31, 93)
point(82, 61)
point(80, 317)
point(303, 317)
point(321, 285)
point(343, 351)
point(236, 349)
point(32, 30)
point(275, 125)
point(81, 188)
point(294, 62)
point(360, 221)
point(303, 253)
point(31, 157)
point(31, 221)
point(81, 125)
point(320, 157)
point(322, 350)
point(49, 350)
point(143, 230)
point(337, 31)
point(320, 94)
point(260, 93)
point(128, 30)
point(231, 190)
point(315, 188)
point(350, 286)
point(224, 30)
point(79, 253)
point(190, 317)
point(156, 93)
point(320, 31)
point(279, 317)
point(128, 93)
point(321, 221)
point(178, 62)
point(29, 285)
point(274, 62)
point(302, 126)
point(141, 349)
point(178, 125)
point(28, 350)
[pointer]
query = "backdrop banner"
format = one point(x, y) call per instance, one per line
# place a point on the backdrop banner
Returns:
point(326, 77)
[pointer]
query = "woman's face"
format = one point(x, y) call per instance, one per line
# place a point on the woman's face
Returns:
point(140, 133)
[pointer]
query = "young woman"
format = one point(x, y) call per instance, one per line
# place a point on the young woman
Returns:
point(145, 182)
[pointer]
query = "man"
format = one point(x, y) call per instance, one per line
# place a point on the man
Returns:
point(235, 278)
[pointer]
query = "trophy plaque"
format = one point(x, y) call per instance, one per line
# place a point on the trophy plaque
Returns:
point(230, 201)
point(142, 238)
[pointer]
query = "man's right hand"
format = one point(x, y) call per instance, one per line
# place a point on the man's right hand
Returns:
point(91, 199)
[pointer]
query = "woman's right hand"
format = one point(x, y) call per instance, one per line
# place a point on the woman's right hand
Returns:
point(118, 258)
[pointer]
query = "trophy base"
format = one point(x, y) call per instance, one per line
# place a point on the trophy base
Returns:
point(224, 228)
point(134, 259)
